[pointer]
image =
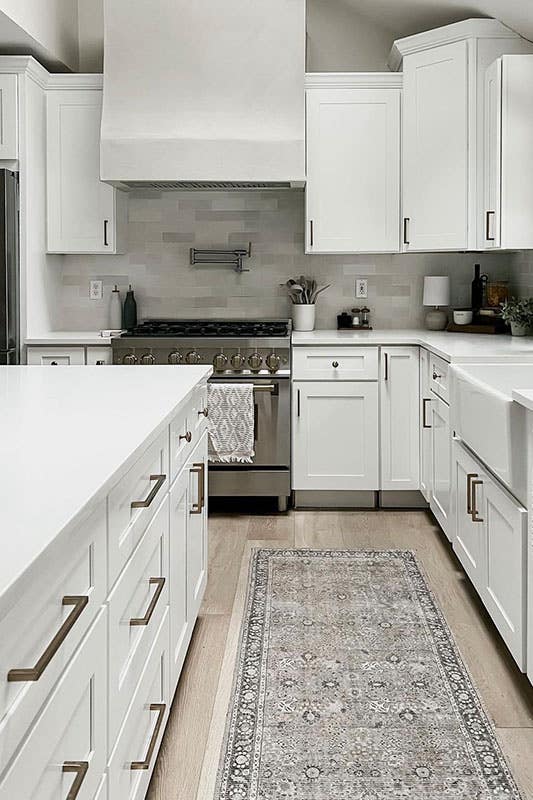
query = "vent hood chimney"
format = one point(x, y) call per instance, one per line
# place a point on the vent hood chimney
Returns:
point(204, 93)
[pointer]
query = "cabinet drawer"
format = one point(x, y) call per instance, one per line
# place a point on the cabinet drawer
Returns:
point(99, 355)
point(199, 412)
point(68, 742)
point(74, 572)
point(438, 377)
point(136, 608)
point(56, 356)
point(345, 363)
point(182, 439)
point(133, 502)
point(135, 752)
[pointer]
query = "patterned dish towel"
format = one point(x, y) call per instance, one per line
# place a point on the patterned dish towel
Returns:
point(231, 422)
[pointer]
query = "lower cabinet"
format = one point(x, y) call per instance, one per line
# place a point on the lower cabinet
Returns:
point(491, 543)
point(400, 418)
point(440, 463)
point(335, 435)
point(425, 426)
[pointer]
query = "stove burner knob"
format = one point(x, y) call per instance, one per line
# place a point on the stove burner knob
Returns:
point(175, 357)
point(192, 357)
point(131, 358)
point(220, 362)
point(238, 361)
point(273, 362)
point(147, 358)
point(255, 362)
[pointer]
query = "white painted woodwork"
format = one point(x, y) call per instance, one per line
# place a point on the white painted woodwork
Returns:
point(341, 363)
point(425, 426)
point(509, 153)
point(129, 645)
point(8, 118)
point(468, 542)
point(335, 435)
point(101, 794)
point(196, 530)
point(99, 355)
point(400, 418)
point(438, 377)
point(56, 356)
point(84, 215)
point(127, 524)
point(139, 725)
point(504, 583)
point(36, 617)
point(71, 727)
point(353, 163)
point(180, 430)
point(197, 416)
point(440, 480)
point(180, 630)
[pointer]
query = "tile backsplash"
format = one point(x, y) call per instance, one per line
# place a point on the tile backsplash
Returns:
point(164, 225)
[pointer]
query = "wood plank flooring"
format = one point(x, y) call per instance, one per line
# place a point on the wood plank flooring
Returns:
point(507, 695)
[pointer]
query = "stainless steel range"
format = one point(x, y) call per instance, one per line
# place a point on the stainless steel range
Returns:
point(239, 350)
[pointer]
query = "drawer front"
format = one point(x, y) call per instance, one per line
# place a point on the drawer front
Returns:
point(182, 439)
point(135, 752)
point(101, 794)
point(438, 377)
point(146, 483)
point(199, 411)
point(68, 742)
point(136, 608)
point(99, 355)
point(41, 620)
point(56, 356)
point(345, 363)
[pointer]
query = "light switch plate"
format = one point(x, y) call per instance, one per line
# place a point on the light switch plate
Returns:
point(361, 288)
point(96, 290)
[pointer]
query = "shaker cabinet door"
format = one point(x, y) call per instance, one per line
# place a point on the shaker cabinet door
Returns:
point(400, 419)
point(439, 495)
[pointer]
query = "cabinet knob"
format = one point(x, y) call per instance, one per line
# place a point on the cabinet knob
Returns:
point(335, 364)
point(436, 376)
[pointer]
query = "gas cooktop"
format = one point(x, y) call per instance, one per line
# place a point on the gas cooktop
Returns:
point(172, 328)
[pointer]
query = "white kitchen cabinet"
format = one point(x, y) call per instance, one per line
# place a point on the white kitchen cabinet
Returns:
point(84, 215)
point(468, 540)
point(99, 356)
point(425, 426)
point(400, 419)
point(8, 117)
point(179, 628)
point(335, 435)
point(196, 546)
point(509, 153)
point(440, 474)
point(353, 163)
point(56, 356)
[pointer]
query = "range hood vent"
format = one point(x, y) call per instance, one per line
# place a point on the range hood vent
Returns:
point(204, 95)
point(213, 186)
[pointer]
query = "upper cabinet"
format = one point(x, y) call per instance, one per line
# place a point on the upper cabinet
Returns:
point(443, 158)
point(353, 163)
point(508, 178)
point(84, 214)
point(8, 118)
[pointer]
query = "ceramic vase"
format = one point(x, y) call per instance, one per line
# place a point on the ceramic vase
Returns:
point(303, 316)
point(518, 330)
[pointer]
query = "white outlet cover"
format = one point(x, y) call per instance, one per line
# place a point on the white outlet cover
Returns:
point(361, 288)
point(96, 290)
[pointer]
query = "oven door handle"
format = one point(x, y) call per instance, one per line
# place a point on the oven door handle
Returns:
point(264, 387)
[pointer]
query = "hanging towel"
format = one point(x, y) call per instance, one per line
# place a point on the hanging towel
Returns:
point(231, 422)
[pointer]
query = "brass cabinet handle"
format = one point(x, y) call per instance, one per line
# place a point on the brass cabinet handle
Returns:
point(424, 408)
point(160, 708)
point(160, 479)
point(488, 237)
point(334, 364)
point(469, 478)
point(160, 583)
point(204, 411)
point(187, 436)
point(80, 768)
point(475, 514)
point(386, 355)
point(34, 673)
point(199, 469)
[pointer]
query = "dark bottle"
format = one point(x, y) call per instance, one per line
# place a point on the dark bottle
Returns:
point(129, 311)
point(478, 285)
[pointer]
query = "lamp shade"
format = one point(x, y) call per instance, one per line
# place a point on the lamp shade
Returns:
point(436, 290)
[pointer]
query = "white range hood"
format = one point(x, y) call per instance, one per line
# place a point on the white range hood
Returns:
point(204, 93)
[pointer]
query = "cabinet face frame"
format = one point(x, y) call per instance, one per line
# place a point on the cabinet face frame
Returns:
point(9, 117)
point(441, 465)
point(400, 418)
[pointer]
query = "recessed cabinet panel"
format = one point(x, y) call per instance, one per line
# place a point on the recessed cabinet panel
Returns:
point(468, 543)
point(440, 464)
point(400, 418)
point(197, 528)
point(179, 628)
point(425, 426)
point(353, 168)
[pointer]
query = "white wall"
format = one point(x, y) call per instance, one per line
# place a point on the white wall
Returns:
point(51, 25)
point(340, 39)
point(91, 35)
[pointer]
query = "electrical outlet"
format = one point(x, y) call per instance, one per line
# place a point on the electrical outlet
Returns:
point(361, 288)
point(96, 290)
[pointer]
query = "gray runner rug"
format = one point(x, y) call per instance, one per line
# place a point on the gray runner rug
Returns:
point(348, 686)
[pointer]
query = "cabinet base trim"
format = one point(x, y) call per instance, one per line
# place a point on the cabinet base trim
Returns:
point(304, 498)
point(402, 499)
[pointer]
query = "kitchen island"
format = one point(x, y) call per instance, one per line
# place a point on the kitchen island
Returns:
point(104, 538)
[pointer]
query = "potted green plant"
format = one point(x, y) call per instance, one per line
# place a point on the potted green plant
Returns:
point(519, 314)
point(303, 292)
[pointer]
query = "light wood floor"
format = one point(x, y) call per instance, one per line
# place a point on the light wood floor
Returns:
point(507, 695)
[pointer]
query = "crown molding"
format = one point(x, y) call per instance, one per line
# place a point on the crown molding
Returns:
point(75, 80)
point(447, 34)
point(28, 65)
point(353, 80)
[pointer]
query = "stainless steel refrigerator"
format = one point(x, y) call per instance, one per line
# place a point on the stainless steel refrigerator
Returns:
point(9, 269)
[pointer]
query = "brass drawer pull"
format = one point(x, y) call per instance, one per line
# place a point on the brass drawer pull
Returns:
point(475, 513)
point(160, 479)
point(80, 768)
point(469, 478)
point(424, 410)
point(187, 436)
point(159, 582)
point(204, 412)
point(34, 673)
point(199, 469)
point(160, 708)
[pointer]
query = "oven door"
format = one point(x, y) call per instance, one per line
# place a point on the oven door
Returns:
point(271, 421)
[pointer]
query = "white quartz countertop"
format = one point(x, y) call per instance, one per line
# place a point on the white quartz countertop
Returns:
point(66, 436)
point(453, 347)
point(65, 338)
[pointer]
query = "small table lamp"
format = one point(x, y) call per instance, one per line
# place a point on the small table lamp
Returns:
point(436, 293)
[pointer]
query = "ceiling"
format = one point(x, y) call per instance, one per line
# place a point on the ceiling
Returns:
point(404, 17)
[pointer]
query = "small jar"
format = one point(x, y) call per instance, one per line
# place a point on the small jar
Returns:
point(365, 317)
point(356, 319)
point(497, 293)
